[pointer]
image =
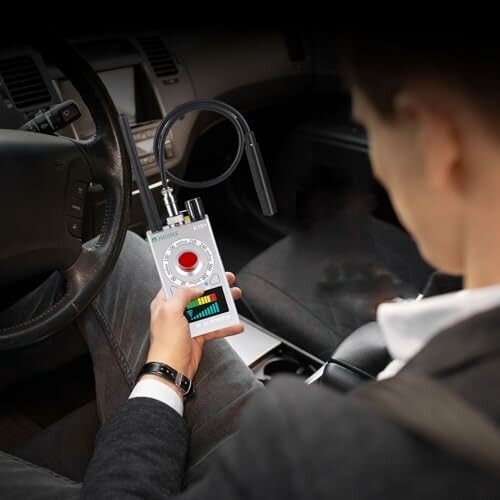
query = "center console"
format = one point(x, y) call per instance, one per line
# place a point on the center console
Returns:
point(355, 361)
point(143, 135)
point(268, 355)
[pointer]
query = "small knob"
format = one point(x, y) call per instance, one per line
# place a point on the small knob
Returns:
point(195, 209)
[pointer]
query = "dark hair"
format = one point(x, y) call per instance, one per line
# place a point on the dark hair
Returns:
point(381, 65)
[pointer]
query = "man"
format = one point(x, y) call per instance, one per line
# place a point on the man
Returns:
point(431, 116)
point(430, 107)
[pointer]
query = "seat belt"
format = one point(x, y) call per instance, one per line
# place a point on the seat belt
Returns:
point(436, 414)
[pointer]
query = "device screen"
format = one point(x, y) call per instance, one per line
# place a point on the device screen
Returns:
point(211, 303)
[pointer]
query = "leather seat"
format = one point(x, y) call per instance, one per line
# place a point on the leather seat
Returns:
point(315, 287)
point(67, 445)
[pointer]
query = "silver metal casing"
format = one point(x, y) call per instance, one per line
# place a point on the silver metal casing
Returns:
point(216, 308)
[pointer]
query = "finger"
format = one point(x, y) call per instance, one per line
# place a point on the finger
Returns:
point(231, 278)
point(236, 293)
point(225, 332)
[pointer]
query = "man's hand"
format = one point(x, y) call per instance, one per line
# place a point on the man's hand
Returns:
point(171, 342)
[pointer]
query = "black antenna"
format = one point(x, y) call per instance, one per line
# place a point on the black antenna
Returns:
point(259, 175)
point(148, 203)
point(246, 143)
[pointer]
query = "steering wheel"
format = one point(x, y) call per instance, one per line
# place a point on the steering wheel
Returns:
point(43, 181)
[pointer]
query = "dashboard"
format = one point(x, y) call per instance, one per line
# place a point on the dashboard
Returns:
point(148, 74)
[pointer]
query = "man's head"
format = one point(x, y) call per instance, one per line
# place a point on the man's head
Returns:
point(431, 108)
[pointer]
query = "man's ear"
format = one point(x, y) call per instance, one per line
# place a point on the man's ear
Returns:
point(435, 137)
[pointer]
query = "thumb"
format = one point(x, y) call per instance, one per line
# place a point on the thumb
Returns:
point(182, 296)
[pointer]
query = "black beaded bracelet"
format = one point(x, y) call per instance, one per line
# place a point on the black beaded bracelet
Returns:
point(168, 373)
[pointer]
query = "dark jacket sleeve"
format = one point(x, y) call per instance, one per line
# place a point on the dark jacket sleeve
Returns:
point(140, 453)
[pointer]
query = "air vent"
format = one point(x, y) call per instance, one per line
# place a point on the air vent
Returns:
point(158, 55)
point(24, 82)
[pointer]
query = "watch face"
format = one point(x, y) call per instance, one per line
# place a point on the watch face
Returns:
point(188, 262)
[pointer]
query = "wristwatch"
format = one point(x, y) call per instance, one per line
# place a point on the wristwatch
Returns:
point(167, 372)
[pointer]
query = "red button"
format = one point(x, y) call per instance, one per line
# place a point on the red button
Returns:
point(188, 261)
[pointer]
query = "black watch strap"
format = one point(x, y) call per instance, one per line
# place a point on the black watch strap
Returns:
point(168, 373)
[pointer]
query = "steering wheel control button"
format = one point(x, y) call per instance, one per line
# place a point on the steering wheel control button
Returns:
point(188, 261)
point(215, 280)
point(79, 190)
point(76, 208)
point(74, 226)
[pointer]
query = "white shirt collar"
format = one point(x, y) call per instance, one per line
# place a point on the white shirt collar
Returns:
point(408, 326)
